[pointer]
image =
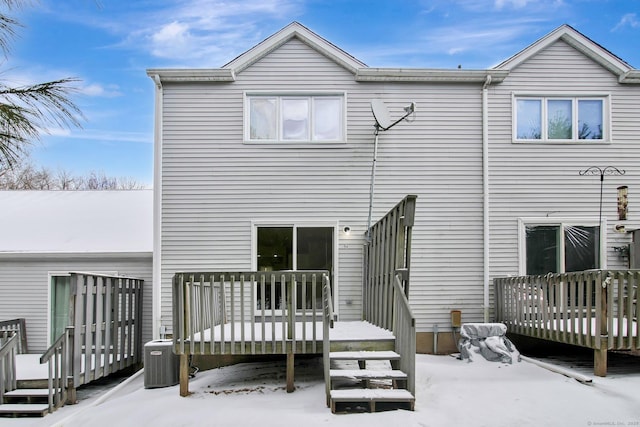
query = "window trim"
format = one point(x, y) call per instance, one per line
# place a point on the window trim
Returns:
point(298, 224)
point(562, 222)
point(574, 98)
point(293, 94)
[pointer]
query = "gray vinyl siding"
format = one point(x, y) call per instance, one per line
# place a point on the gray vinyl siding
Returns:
point(214, 185)
point(24, 288)
point(540, 180)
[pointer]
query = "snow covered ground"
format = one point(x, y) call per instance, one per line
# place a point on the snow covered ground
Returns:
point(449, 392)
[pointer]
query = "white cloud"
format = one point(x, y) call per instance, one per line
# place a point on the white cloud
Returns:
point(97, 90)
point(171, 40)
point(100, 135)
point(456, 50)
point(628, 20)
point(195, 32)
point(517, 4)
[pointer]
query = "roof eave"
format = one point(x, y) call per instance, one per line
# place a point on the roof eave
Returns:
point(222, 75)
point(75, 254)
point(630, 77)
point(429, 75)
point(600, 56)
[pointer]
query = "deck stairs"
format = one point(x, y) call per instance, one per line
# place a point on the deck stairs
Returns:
point(364, 372)
point(30, 399)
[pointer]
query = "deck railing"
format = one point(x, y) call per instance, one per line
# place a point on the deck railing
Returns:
point(595, 309)
point(57, 358)
point(106, 312)
point(327, 323)
point(387, 254)
point(8, 350)
point(273, 312)
point(18, 326)
point(404, 329)
point(386, 281)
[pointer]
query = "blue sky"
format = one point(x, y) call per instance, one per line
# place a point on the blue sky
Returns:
point(108, 45)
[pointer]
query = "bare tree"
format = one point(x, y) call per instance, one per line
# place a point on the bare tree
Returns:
point(26, 176)
point(29, 110)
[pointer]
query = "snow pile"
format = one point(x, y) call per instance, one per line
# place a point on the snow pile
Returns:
point(488, 340)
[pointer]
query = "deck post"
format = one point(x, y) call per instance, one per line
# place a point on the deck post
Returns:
point(72, 396)
point(184, 375)
point(600, 353)
point(600, 361)
point(290, 370)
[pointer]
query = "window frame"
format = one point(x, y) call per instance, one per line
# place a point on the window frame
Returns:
point(563, 223)
point(295, 225)
point(50, 278)
point(574, 98)
point(311, 96)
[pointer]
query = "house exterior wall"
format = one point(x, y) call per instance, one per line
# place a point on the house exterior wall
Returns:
point(542, 180)
point(215, 187)
point(24, 288)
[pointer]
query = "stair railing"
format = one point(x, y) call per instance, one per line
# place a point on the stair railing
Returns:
point(387, 253)
point(57, 357)
point(8, 351)
point(404, 329)
point(327, 323)
point(19, 326)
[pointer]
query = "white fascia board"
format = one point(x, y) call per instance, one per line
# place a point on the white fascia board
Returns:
point(596, 52)
point(76, 255)
point(630, 77)
point(193, 75)
point(575, 39)
point(295, 30)
point(429, 75)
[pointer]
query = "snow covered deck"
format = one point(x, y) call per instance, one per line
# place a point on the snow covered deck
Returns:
point(265, 338)
point(29, 368)
point(596, 309)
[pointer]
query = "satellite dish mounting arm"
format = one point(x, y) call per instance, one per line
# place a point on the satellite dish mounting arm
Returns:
point(384, 123)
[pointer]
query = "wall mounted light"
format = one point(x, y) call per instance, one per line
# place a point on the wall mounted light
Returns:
point(347, 230)
point(620, 228)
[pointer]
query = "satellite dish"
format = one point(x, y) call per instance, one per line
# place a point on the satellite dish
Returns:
point(381, 114)
point(384, 123)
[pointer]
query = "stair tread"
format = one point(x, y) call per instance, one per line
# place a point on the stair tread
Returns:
point(22, 392)
point(367, 373)
point(372, 394)
point(364, 355)
point(24, 408)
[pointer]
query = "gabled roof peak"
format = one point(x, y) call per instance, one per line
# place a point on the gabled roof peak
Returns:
point(299, 31)
point(579, 42)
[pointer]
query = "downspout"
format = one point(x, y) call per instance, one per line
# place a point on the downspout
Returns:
point(158, 329)
point(485, 195)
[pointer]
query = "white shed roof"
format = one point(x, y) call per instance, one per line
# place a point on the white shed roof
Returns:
point(76, 221)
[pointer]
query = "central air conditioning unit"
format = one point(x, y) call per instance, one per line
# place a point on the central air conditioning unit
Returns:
point(161, 365)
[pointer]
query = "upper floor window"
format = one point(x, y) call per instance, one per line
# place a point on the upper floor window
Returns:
point(560, 119)
point(295, 118)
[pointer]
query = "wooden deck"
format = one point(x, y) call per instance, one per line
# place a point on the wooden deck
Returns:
point(224, 315)
point(596, 309)
point(29, 368)
point(264, 339)
point(104, 336)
